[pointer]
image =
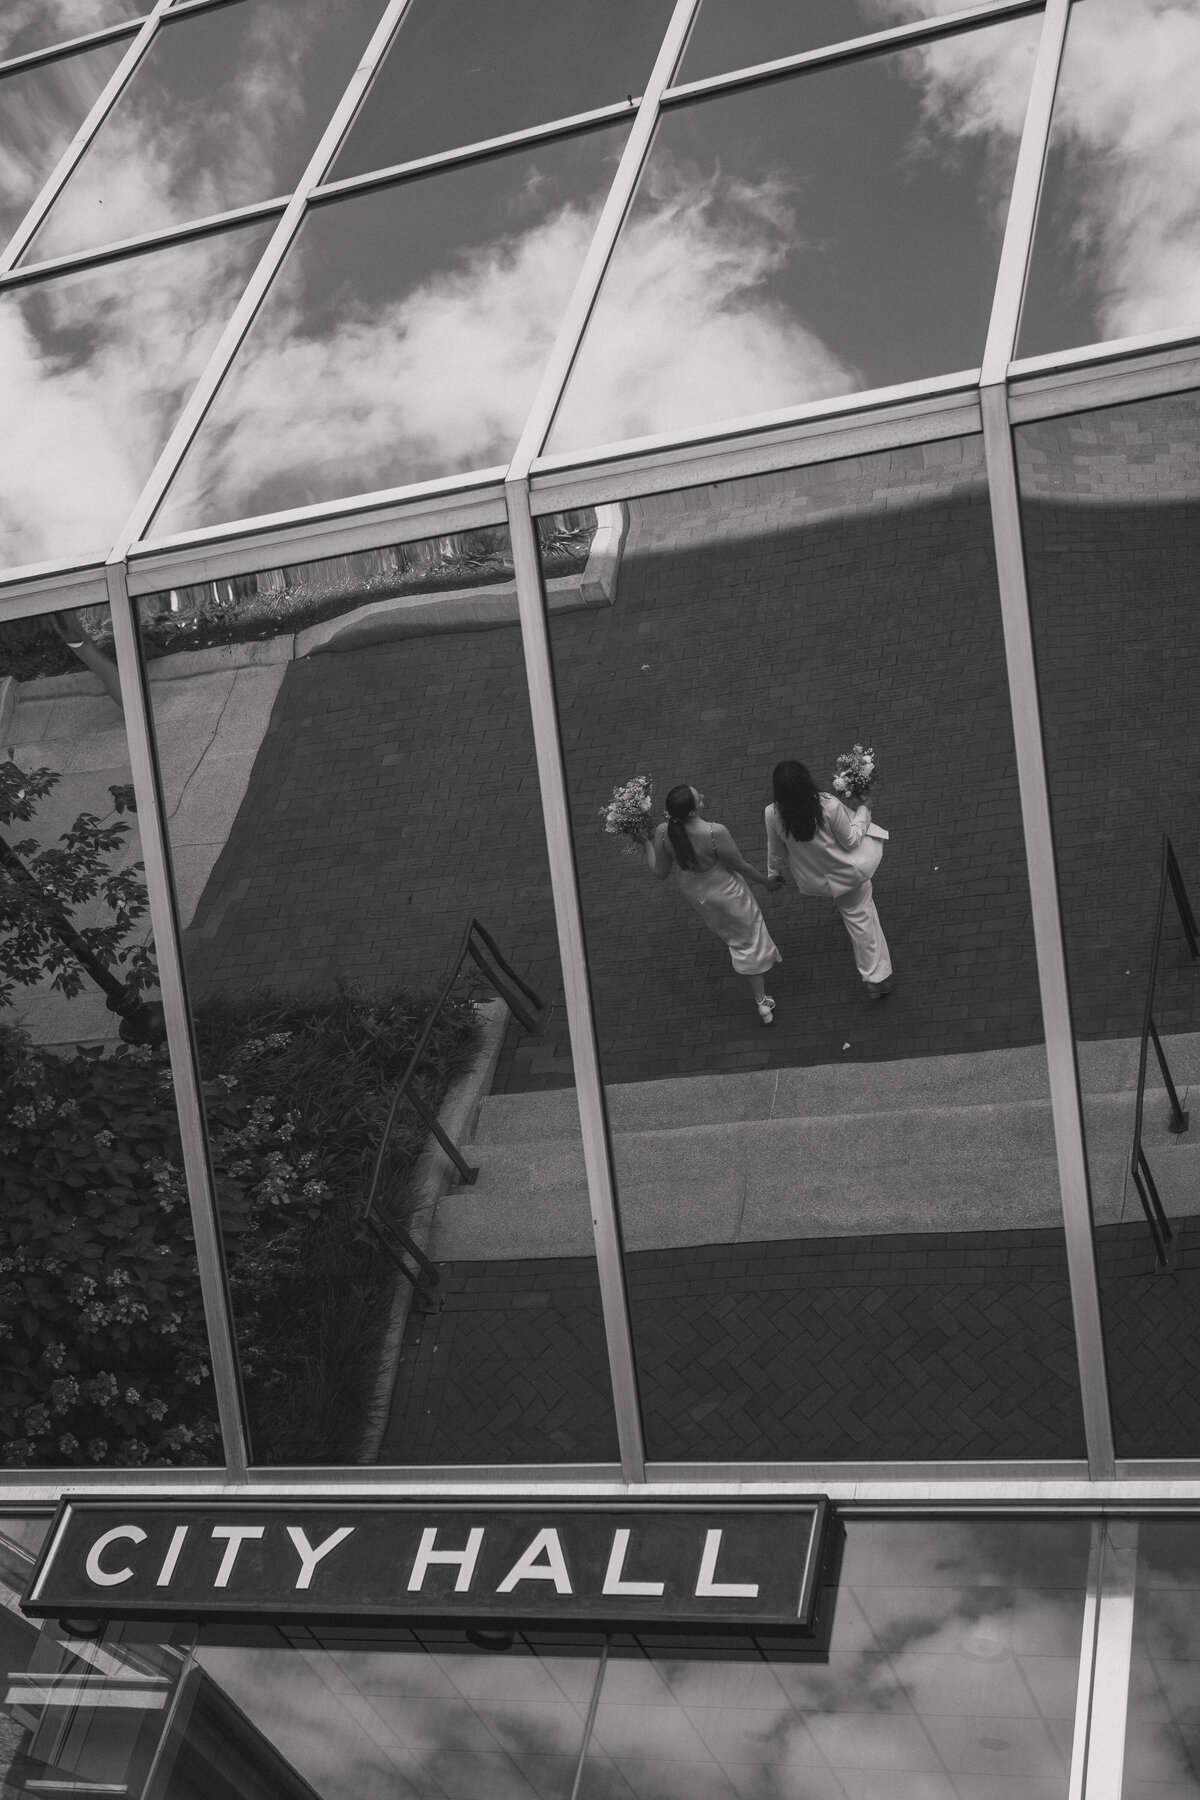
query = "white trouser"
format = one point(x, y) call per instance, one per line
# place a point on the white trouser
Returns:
point(866, 933)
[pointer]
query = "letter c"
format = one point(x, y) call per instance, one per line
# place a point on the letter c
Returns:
point(95, 1573)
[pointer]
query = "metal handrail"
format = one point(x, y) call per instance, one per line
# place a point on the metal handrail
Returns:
point(529, 1010)
point(1152, 1206)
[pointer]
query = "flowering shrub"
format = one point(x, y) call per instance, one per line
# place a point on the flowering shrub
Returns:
point(103, 1351)
point(102, 1335)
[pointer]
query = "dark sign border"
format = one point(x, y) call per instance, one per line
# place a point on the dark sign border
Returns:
point(47, 1597)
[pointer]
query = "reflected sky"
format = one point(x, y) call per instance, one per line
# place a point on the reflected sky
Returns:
point(403, 337)
point(40, 111)
point(776, 253)
point(1117, 251)
point(94, 367)
point(459, 73)
point(1162, 1750)
point(951, 1676)
point(224, 109)
point(28, 25)
point(736, 34)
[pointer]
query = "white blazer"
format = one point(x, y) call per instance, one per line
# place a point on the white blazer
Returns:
point(839, 856)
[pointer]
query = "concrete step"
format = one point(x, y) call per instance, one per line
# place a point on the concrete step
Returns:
point(987, 1078)
point(921, 1167)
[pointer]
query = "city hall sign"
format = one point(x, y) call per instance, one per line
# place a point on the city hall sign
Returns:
point(754, 1566)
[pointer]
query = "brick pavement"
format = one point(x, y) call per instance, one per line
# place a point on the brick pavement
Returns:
point(930, 1346)
point(854, 1348)
point(396, 791)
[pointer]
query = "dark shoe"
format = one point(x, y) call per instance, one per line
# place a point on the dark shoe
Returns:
point(878, 990)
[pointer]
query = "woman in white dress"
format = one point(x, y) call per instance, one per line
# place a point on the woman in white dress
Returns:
point(712, 875)
point(830, 854)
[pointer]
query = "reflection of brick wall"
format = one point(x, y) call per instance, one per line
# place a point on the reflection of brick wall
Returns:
point(1115, 593)
point(1112, 538)
point(1149, 453)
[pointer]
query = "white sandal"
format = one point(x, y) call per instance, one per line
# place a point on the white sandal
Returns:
point(766, 1009)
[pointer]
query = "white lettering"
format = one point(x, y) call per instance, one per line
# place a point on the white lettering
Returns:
point(466, 1559)
point(711, 1589)
point(613, 1584)
point(172, 1557)
point(237, 1535)
point(528, 1568)
point(310, 1557)
point(133, 1533)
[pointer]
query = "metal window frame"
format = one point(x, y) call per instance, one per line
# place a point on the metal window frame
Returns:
point(1076, 379)
point(73, 154)
point(14, 65)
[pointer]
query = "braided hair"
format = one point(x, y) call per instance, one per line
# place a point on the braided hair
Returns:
point(797, 801)
point(680, 804)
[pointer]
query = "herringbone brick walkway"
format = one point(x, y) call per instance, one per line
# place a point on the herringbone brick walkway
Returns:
point(947, 1346)
point(395, 791)
point(855, 1348)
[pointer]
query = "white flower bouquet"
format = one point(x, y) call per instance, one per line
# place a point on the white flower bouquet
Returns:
point(628, 814)
point(854, 775)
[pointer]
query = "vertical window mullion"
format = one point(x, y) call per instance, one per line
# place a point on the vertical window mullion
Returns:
point(1065, 1100)
point(1104, 1770)
point(574, 321)
point(1023, 201)
point(230, 341)
point(589, 1087)
point(164, 917)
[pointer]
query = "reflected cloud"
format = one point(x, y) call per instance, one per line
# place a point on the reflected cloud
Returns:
point(35, 24)
point(40, 111)
point(1127, 119)
point(213, 119)
point(94, 369)
point(443, 378)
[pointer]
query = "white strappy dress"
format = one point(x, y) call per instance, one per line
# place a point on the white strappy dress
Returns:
point(730, 910)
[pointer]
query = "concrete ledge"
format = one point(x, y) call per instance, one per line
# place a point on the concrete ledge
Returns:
point(433, 1176)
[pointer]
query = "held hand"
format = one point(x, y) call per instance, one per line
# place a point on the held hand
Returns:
point(774, 883)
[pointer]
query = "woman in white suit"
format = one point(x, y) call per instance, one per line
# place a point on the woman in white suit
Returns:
point(830, 854)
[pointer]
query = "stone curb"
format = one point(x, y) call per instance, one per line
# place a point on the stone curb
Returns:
point(432, 1178)
point(380, 621)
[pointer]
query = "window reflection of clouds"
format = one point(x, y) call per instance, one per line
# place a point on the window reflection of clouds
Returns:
point(40, 111)
point(737, 34)
point(954, 1659)
point(354, 1723)
point(1118, 251)
point(29, 25)
point(224, 110)
point(93, 368)
point(404, 336)
point(1162, 1754)
point(775, 255)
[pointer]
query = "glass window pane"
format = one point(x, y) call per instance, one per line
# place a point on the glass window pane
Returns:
point(951, 1674)
point(1111, 507)
point(104, 1352)
point(224, 109)
point(737, 34)
point(348, 762)
point(98, 364)
point(1162, 1751)
point(30, 25)
point(827, 1215)
point(40, 111)
point(459, 73)
point(1115, 253)
point(776, 253)
point(403, 337)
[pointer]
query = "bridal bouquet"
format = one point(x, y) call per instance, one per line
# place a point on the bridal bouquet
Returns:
point(628, 814)
point(855, 772)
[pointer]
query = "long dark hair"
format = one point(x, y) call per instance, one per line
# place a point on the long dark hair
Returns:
point(681, 806)
point(797, 801)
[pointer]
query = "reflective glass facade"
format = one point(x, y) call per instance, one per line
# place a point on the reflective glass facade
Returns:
point(418, 433)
